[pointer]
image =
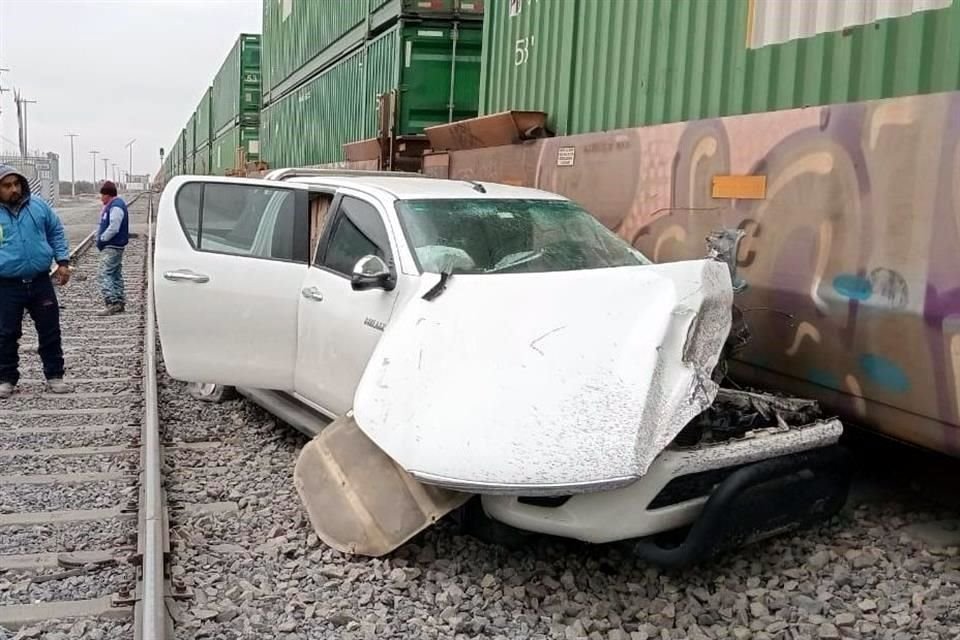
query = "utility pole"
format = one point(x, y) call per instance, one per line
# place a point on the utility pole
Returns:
point(94, 154)
point(22, 114)
point(116, 180)
point(73, 176)
point(129, 145)
point(106, 172)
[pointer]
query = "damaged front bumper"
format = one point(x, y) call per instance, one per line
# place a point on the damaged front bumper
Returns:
point(675, 491)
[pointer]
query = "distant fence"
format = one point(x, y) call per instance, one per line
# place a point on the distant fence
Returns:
point(42, 172)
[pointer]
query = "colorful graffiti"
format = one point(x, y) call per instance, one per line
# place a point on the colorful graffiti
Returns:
point(852, 256)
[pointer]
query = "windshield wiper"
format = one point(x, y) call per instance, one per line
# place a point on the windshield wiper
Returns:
point(441, 285)
point(518, 261)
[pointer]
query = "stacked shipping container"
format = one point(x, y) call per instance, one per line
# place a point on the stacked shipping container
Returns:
point(613, 64)
point(325, 64)
point(201, 149)
point(311, 84)
point(236, 107)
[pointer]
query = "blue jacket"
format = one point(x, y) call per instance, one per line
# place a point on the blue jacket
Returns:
point(122, 235)
point(31, 234)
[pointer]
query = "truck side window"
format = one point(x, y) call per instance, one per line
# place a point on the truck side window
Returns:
point(358, 231)
point(188, 210)
point(244, 220)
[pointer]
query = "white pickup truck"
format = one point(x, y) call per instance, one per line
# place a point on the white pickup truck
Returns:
point(484, 349)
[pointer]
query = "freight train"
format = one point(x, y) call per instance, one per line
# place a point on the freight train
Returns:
point(828, 132)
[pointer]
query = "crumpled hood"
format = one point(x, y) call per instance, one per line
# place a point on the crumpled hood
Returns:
point(549, 383)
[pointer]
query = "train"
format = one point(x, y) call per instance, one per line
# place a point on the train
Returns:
point(827, 133)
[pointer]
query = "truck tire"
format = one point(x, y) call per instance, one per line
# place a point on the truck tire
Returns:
point(209, 392)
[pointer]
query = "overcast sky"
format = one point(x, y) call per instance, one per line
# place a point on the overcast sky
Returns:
point(111, 71)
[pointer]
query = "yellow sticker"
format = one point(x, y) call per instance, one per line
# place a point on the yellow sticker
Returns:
point(741, 187)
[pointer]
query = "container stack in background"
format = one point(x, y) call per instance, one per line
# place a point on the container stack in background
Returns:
point(325, 64)
point(311, 84)
point(235, 108)
point(222, 135)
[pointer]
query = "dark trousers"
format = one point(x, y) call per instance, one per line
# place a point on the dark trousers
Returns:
point(39, 299)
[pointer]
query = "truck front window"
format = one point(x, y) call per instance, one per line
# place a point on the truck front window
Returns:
point(510, 236)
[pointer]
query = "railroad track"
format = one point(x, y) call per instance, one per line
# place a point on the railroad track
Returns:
point(82, 524)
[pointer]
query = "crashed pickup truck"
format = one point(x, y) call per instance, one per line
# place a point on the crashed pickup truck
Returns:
point(489, 350)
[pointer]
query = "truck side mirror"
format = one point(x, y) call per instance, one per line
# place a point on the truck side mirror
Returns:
point(371, 272)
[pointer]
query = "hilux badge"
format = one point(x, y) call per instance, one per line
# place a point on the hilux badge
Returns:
point(376, 324)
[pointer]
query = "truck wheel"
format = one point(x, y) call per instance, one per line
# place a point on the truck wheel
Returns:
point(209, 392)
point(474, 522)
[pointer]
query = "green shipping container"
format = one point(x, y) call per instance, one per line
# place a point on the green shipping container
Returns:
point(309, 125)
point(181, 157)
point(612, 64)
point(201, 160)
point(301, 38)
point(435, 69)
point(203, 133)
point(190, 141)
point(236, 87)
point(225, 148)
point(297, 32)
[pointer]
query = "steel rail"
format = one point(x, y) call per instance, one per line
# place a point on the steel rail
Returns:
point(77, 250)
point(150, 615)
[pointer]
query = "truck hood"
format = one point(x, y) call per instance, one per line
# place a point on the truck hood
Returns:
point(544, 384)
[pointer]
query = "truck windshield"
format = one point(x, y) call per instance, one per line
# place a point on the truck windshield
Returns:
point(510, 236)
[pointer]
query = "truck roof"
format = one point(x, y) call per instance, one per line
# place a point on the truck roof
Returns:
point(405, 187)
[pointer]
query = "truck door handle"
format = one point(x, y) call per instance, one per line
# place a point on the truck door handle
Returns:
point(312, 293)
point(185, 275)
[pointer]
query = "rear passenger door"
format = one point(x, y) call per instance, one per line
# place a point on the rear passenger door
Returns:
point(230, 257)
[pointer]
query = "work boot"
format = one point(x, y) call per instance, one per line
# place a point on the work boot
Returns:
point(57, 385)
point(6, 390)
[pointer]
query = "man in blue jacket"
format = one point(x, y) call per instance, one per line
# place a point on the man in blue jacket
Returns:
point(112, 238)
point(31, 239)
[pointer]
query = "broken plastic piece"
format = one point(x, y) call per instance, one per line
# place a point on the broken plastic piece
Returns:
point(358, 500)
